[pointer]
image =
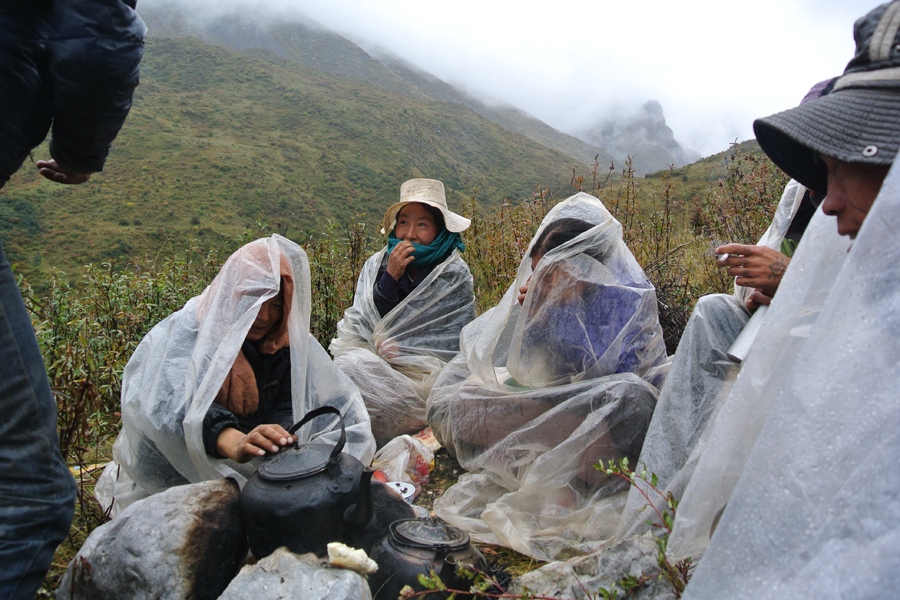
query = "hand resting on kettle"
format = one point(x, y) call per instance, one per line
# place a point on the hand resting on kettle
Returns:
point(241, 447)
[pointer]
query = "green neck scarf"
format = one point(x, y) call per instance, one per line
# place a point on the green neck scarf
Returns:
point(435, 252)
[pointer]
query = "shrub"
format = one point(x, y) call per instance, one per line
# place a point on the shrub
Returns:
point(88, 329)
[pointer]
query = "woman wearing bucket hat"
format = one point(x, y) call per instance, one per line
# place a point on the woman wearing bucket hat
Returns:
point(412, 300)
point(422, 233)
point(843, 143)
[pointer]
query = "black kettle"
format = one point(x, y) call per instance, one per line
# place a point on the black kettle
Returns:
point(307, 495)
point(420, 546)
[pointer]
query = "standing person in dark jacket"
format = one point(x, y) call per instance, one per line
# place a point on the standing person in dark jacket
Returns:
point(72, 64)
point(75, 65)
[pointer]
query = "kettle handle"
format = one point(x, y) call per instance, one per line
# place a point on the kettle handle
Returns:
point(318, 412)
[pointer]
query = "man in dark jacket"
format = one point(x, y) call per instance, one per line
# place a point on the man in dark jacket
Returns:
point(73, 64)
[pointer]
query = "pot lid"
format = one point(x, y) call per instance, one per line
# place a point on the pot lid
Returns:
point(428, 533)
point(294, 462)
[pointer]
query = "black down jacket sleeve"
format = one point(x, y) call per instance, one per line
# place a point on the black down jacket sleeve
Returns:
point(94, 49)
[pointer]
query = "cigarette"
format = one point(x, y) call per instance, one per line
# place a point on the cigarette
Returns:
point(722, 256)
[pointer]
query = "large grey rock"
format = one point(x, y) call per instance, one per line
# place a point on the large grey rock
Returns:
point(581, 577)
point(185, 542)
point(286, 576)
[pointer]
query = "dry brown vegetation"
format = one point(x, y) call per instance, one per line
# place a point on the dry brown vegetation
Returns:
point(88, 330)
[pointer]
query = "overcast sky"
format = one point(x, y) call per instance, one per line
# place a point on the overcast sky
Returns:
point(714, 65)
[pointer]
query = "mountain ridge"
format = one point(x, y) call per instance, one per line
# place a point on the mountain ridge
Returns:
point(645, 137)
point(314, 46)
point(218, 141)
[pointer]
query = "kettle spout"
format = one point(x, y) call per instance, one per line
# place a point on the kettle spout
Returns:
point(359, 516)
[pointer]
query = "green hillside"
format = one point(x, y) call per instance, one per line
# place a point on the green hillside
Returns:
point(218, 140)
point(331, 53)
point(693, 182)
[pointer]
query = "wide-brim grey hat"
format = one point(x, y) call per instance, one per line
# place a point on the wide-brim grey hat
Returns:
point(425, 191)
point(856, 121)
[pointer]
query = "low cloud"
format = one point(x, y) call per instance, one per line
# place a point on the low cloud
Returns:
point(714, 66)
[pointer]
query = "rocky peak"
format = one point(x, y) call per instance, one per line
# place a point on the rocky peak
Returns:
point(643, 135)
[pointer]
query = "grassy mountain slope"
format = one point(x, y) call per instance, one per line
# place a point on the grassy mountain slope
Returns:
point(328, 52)
point(217, 140)
point(651, 159)
point(693, 181)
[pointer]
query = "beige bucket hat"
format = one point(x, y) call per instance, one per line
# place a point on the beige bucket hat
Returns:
point(426, 191)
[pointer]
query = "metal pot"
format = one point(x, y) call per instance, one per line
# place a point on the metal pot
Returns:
point(420, 546)
point(307, 495)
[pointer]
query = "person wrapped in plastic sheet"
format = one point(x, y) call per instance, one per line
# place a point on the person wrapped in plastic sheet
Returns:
point(543, 390)
point(412, 300)
point(842, 146)
point(707, 362)
point(194, 376)
point(812, 488)
point(701, 376)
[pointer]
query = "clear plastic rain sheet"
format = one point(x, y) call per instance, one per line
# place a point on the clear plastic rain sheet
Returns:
point(787, 207)
point(395, 360)
point(174, 374)
point(721, 453)
point(541, 392)
point(816, 511)
point(700, 379)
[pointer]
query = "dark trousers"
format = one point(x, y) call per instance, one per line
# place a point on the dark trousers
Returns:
point(37, 492)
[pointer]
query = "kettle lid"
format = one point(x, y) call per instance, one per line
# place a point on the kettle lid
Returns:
point(298, 461)
point(302, 460)
point(428, 533)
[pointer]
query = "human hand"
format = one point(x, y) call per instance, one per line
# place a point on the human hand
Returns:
point(400, 259)
point(240, 448)
point(387, 349)
point(754, 266)
point(523, 291)
point(756, 299)
point(52, 171)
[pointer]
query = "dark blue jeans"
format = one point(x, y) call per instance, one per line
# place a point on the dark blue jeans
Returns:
point(37, 492)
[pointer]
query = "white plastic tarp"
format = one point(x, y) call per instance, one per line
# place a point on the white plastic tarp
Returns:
point(540, 392)
point(174, 374)
point(395, 359)
point(722, 452)
point(699, 381)
point(787, 208)
point(816, 511)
